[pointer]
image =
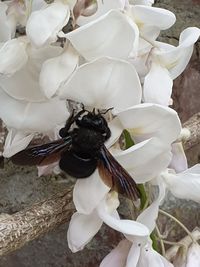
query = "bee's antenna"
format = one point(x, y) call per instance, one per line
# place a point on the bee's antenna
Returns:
point(83, 106)
point(104, 112)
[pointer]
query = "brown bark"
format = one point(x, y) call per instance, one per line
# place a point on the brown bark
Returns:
point(193, 124)
point(18, 229)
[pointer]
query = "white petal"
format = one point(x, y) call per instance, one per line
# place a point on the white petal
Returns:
point(37, 4)
point(117, 257)
point(175, 59)
point(43, 25)
point(82, 229)
point(193, 259)
point(179, 159)
point(103, 8)
point(158, 85)
point(57, 70)
point(149, 216)
point(32, 117)
point(154, 16)
point(16, 85)
point(185, 185)
point(187, 39)
point(116, 130)
point(128, 227)
point(194, 169)
point(5, 30)
point(89, 192)
point(151, 120)
point(15, 142)
point(142, 2)
point(113, 34)
point(13, 56)
point(189, 36)
point(104, 83)
point(149, 257)
point(149, 33)
point(145, 160)
point(133, 255)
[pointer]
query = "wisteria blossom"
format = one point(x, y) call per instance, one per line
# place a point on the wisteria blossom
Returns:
point(134, 254)
point(167, 63)
point(149, 138)
point(102, 55)
point(24, 108)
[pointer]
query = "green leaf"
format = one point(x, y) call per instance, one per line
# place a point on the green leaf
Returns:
point(144, 198)
point(154, 241)
point(128, 140)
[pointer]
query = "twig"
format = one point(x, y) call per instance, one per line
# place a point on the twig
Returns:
point(18, 229)
point(193, 125)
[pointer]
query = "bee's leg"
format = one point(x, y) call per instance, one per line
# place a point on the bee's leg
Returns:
point(72, 118)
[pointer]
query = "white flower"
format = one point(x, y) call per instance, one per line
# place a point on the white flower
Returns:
point(18, 12)
point(193, 256)
point(20, 71)
point(24, 108)
point(147, 123)
point(147, 16)
point(13, 56)
point(112, 34)
point(149, 126)
point(23, 119)
point(7, 25)
point(149, 21)
point(136, 254)
point(184, 185)
point(104, 83)
point(56, 70)
point(102, 8)
point(187, 256)
point(179, 260)
point(83, 227)
point(144, 160)
point(142, 2)
point(167, 63)
point(179, 160)
point(44, 25)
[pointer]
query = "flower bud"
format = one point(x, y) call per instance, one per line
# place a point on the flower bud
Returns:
point(193, 256)
point(180, 257)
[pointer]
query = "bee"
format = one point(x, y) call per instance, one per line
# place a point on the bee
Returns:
point(80, 150)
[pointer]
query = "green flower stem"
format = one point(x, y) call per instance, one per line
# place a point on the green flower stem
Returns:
point(128, 140)
point(129, 143)
point(144, 201)
point(143, 197)
point(154, 241)
point(160, 240)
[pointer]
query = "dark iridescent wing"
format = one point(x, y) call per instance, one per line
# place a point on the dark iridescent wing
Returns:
point(115, 176)
point(42, 154)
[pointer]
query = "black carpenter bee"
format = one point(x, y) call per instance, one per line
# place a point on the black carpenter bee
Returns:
point(80, 151)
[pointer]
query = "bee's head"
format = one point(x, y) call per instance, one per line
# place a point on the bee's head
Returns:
point(94, 120)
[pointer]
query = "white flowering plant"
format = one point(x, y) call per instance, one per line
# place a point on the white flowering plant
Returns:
point(105, 55)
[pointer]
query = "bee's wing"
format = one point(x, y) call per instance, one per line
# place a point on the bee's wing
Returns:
point(42, 154)
point(115, 176)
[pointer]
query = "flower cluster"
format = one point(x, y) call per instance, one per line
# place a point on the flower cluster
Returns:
point(102, 53)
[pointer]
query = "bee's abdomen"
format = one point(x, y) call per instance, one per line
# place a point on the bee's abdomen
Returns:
point(76, 165)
